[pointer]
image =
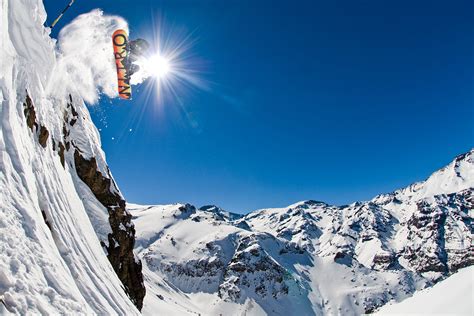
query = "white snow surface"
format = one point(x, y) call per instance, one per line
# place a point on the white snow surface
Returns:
point(456, 176)
point(453, 296)
point(62, 270)
point(177, 233)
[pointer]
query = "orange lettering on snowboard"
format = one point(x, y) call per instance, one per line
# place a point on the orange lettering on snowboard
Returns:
point(120, 42)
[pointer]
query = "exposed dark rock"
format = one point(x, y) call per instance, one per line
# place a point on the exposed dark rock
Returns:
point(120, 243)
point(463, 202)
point(292, 248)
point(220, 214)
point(73, 110)
point(122, 239)
point(65, 131)
point(253, 268)
point(427, 225)
point(187, 208)
point(342, 257)
point(194, 268)
point(30, 114)
point(43, 213)
point(43, 136)
point(243, 224)
point(61, 153)
point(383, 261)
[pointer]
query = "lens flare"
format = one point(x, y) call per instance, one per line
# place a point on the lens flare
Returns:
point(168, 75)
point(171, 68)
point(159, 65)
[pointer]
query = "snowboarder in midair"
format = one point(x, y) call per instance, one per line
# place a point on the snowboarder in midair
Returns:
point(136, 49)
point(126, 53)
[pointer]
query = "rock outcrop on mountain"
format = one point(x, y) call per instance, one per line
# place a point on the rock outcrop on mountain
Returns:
point(120, 241)
point(310, 258)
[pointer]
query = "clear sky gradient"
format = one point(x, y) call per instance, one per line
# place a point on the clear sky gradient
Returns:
point(327, 100)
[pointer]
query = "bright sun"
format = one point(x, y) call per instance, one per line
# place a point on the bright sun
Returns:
point(171, 66)
point(159, 66)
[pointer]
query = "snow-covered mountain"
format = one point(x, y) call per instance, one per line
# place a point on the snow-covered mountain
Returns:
point(309, 258)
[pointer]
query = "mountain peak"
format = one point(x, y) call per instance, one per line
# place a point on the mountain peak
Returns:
point(220, 213)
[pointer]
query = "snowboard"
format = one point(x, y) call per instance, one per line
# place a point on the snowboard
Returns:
point(120, 44)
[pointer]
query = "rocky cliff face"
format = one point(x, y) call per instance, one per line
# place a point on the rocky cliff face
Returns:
point(120, 240)
point(311, 257)
point(252, 270)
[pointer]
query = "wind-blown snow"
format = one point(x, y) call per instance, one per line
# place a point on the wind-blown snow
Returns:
point(86, 55)
point(453, 296)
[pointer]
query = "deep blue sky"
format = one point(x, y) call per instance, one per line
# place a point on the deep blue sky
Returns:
point(328, 100)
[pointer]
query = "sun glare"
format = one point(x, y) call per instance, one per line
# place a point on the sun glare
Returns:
point(171, 68)
point(160, 66)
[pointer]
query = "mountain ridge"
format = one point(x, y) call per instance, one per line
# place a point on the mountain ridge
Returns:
point(271, 260)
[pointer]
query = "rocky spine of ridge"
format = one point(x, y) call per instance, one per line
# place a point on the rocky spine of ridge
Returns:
point(435, 231)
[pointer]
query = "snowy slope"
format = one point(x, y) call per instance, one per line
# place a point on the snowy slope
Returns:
point(184, 252)
point(51, 259)
point(453, 296)
point(309, 258)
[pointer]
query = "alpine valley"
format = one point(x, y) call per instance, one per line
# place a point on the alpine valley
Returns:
point(71, 244)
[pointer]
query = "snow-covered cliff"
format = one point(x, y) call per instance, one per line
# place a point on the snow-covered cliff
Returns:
point(66, 240)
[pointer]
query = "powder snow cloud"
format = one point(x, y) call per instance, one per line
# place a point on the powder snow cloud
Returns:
point(85, 60)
